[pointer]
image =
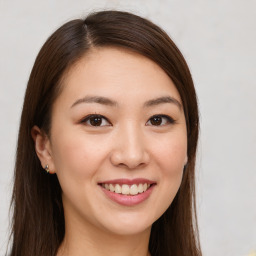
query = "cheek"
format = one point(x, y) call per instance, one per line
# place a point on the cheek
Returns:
point(171, 154)
point(77, 161)
point(170, 158)
point(172, 164)
point(76, 156)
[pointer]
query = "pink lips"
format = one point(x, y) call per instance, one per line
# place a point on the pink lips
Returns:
point(128, 200)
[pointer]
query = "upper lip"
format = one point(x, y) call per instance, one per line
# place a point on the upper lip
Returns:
point(128, 181)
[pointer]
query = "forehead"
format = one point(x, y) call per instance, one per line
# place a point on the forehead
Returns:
point(116, 72)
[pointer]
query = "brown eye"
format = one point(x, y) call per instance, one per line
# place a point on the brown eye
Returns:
point(156, 120)
point(159, 120)
point(96, 120)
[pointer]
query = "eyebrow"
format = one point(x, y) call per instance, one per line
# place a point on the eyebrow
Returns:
point(109, 102)
point(161, 100)
point(95, 99)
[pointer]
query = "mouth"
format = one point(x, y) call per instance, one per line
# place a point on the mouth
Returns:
point(128, 192)
point(127, 189)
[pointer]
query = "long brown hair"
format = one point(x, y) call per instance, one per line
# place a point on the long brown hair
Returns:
point(38, 219)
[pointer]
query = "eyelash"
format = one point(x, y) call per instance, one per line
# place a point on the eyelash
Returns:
point(88, 120)
point(169, 120)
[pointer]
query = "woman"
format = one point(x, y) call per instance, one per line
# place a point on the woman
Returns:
point(107, 144)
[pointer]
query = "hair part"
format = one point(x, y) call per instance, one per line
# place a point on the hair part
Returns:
point(38, 216)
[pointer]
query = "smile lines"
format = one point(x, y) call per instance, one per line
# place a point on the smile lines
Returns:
point(126, 189)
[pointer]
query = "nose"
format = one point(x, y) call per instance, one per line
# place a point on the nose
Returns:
point(130, 148)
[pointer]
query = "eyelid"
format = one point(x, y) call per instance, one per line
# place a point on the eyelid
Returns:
point(87, 118)
point(170, 120)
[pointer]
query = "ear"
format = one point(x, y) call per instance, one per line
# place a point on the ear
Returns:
point(43, 148)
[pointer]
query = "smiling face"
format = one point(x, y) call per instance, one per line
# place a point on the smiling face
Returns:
point(118, 142)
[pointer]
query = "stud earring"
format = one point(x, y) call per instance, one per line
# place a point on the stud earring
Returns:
point(47, 168)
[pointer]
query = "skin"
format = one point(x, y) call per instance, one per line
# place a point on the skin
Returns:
point(127, 144)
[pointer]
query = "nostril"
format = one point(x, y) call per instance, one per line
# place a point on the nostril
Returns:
point(130, 160)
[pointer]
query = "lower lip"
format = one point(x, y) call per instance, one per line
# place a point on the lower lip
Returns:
point(128, 200)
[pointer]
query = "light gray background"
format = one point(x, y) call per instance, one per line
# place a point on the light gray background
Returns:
point(218, 39)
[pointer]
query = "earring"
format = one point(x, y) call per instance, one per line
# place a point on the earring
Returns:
point(47, 168)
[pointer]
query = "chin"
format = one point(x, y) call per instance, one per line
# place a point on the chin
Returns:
point(127, 225)
point(130, 230)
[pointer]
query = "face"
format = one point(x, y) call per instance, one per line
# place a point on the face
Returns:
point(118, 142)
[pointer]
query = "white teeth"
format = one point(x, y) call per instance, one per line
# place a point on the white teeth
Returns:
point(134, 189)
point(111, 188)
point(145, 187)
point(126, 189)
point(140, 188)
point(118, 189)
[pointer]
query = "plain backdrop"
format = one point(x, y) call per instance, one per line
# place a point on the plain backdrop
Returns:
point(218, 40)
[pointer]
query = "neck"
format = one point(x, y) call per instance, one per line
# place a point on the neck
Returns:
point(92, 241)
